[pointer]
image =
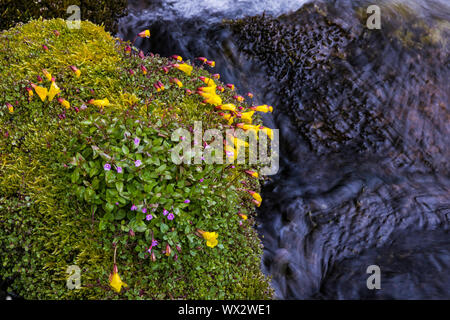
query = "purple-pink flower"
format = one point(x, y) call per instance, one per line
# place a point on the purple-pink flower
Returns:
point(201, 180)
point(154, 243)
point(149, 217)
point(107, 167)
point(187, 201)
point(165, 212)
point(137, 163)
point(119, 169)
point(170, 216)
point(136, 141)
point(133, 208)
point(144, 210)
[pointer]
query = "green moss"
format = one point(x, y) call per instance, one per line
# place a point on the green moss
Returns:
point(57, 203)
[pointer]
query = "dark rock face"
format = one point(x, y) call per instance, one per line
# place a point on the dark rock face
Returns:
point(364, 125)
point(354, 89)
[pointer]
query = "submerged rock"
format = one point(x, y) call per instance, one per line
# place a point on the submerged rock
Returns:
point(350, 89)
point(364, 126)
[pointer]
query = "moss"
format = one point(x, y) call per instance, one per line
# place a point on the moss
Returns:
point(46, 226)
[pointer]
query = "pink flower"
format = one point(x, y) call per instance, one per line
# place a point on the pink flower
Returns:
point(149, 217)
point(119, 169)
point(187, 201)
point(165, 212)
point(133, 208)
point(201, 180)
point(137, 163)
point(170, 216)
point(107, 167)
point(136, 141)
point(144, 210)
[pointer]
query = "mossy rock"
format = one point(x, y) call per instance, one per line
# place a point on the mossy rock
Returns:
point(55, 191)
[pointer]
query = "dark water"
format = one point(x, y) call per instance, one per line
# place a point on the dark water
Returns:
point(364, 125)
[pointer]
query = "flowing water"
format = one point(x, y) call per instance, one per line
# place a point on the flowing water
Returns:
point(364, 125)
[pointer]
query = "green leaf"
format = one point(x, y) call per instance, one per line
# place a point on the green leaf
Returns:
point(119, 186)
point(75, 176)
point(120, 214)
point(109, 207)
point(164, 227)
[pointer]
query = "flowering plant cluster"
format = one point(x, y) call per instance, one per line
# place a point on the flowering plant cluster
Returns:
point(87, 172)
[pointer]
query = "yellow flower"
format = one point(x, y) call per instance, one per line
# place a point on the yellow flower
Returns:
point(252, 173)
point(246, 116)
point(64, 103)
point(208, 81)
point(10, 107)
point(248, 127)
point(115, 282)
point(41, 92)
point(54, 90)
point(207, 90)
point(213, 99)
point(212, 243)
point(76, 70)
point(210, 237)
point(255, 195)
point(47, 74)
point(243, 216)
point(228, 106)
point(177, 82)
point(100, 103)
point(263, 108)
point(144, 34)
point(30, 91)
point(184, 67)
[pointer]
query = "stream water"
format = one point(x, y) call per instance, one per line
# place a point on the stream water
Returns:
point(364, 134)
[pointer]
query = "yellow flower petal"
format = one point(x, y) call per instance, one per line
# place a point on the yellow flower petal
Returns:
point(116, 283)
point(212, 243)
point(41, 92)
point(54, 90)
point(185, 68)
